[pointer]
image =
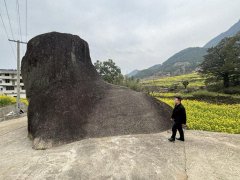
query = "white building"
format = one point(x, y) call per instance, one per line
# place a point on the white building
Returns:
point(8, 83)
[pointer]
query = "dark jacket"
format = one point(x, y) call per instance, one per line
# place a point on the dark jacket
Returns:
point(179, 114)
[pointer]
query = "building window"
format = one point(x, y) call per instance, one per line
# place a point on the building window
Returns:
point(1, 89)
point(7, 80)
point(21, 80)
point(7, 74)
point(23, 88)
point(9, 88)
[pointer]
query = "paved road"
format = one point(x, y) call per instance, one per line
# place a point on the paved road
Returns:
point(204, 155)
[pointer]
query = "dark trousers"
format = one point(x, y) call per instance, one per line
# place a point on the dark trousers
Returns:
point(175, 127)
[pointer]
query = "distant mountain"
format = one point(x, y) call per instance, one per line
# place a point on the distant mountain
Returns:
point(148, 72)
point(230, 32)
point(133, 73)
point(182, 62)
point(186, 60)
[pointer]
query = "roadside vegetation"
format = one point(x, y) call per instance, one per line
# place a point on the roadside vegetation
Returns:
point(9, 100)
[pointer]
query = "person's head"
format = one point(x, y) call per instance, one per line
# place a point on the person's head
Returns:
point(177, 100)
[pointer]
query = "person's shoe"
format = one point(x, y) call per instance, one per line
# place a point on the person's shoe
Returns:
point(171, 139)
point(180, 139)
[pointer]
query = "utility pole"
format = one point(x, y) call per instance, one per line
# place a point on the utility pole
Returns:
point(18, 73)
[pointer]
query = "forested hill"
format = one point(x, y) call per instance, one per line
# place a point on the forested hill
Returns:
point(186, 60)
point(182, 62)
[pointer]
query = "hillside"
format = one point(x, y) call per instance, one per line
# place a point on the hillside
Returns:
point(186, 60)
point(182, 62)
point(230, 32)
point(133, 73)
point(148, 72)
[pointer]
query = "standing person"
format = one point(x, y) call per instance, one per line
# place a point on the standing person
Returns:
point(179, 118)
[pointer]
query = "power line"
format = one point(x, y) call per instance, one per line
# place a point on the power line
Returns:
point(9, 20)
point(19, 19)
point(7, 34)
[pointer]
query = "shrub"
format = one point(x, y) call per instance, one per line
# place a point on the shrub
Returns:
point(132, 83)
point(203, 94)
point(173, 87)
point(215, 97)
point(232, 90)
point(214, 87)
point(8, 100)
point(24, 100)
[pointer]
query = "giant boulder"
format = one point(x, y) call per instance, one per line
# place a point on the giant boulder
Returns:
point(68, 101)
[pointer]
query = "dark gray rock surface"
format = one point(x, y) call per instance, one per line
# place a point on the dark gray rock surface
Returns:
point(68, 100)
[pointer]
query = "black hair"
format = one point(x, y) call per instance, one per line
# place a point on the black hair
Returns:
point(179, 98)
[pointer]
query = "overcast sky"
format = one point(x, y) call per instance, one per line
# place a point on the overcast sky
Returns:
point(136, 34)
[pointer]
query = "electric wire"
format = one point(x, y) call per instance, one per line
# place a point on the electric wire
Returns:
point(5, 29)
point(9, 20)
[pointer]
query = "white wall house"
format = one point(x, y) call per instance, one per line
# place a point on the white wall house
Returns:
point(8, 83)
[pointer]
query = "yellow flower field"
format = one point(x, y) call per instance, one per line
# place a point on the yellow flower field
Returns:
point(210, 117)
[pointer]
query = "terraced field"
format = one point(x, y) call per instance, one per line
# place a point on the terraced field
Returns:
point(194, 79)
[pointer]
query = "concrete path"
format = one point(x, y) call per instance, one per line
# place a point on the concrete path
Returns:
point(204, 155)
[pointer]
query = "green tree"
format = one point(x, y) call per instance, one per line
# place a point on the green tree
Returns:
point(185, 83)
point(109, 71)
point(223, 61)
